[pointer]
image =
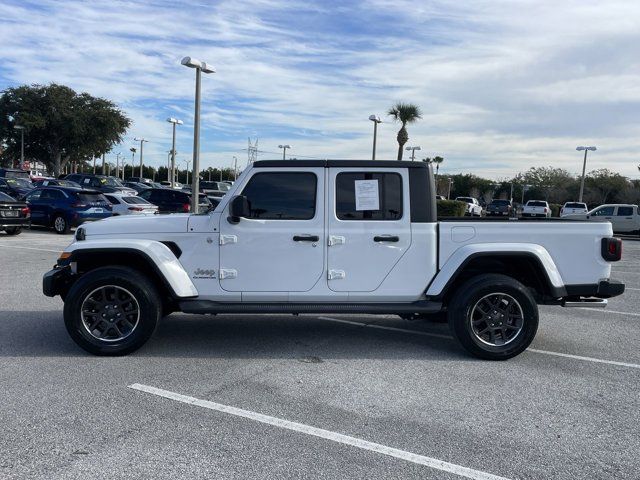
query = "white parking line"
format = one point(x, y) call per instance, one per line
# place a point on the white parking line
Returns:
point(533, 350)
point(586, 359)
point(606, 310)
point(31, 248)
point(321, 433)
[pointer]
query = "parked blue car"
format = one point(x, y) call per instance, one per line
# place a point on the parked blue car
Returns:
point(61, 208)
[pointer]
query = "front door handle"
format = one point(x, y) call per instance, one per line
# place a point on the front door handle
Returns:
point(386, 238)
point(306, 238)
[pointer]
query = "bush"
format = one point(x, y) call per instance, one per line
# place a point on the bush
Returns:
point(555, 209)
point(451, 208)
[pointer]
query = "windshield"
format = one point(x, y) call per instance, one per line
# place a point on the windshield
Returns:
point(111, 181)
point(19, 182)
point(576, 205)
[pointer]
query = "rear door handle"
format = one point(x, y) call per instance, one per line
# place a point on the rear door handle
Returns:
point(386, 238)
point(306, 238)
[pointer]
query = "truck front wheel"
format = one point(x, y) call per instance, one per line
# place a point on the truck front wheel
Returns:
point(493, 316)
point(112, 310)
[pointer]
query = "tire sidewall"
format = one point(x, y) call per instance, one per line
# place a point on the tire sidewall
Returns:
point(470, 294)
point(66, 224)
point(138, 285)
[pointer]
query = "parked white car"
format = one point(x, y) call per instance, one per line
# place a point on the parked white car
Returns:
point(572, 208)
point(536, 208)
point(624, 218)
point(130, 205)
point(473, 206)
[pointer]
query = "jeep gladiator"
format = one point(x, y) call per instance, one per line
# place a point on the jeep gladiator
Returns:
point(331, 236)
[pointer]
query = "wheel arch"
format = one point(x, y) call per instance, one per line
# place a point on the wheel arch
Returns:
point(153, 259)
point(533, 270)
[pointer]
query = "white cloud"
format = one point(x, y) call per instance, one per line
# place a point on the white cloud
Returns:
point(504, 85)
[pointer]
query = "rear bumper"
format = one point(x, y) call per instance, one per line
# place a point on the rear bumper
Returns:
point(604, 289)
point(56, 281)
point(14, 222)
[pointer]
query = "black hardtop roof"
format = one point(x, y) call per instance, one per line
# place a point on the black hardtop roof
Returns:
point(339, 163)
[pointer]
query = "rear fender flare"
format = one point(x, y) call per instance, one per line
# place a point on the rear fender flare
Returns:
point(461, 257)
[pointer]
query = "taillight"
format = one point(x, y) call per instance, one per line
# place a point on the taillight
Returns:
point(26, 212)
point(186, 207)
point(611, 249)
point(545, 209)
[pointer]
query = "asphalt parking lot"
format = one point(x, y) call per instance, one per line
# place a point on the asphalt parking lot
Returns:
point(314, 396)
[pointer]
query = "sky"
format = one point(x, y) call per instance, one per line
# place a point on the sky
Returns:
point(503, 85)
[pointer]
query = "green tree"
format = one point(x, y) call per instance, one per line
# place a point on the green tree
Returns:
point(437, 160)
point(404, 113)
point(60, 124)
point(603, 185)
point(550, 183)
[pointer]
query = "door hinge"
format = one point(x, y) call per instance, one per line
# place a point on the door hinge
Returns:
point(336, 274)
point(228, 273)
point(337, 240)
point(224, 239)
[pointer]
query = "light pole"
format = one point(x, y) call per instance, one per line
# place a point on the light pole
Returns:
point(118, 164)
point(449, 192)
point(187, 162)
point(376, 120)
point(284, 150)
point(174, 122)
point(142, 141)
point(21, 128)
point(235, 168)
point(200, 67)
point(133, 161)
point(413, 151)
point(584, 167)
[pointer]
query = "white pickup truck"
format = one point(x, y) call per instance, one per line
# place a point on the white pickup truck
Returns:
point(335, 237)
point(624, 218)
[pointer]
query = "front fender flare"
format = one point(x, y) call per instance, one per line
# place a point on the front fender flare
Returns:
point(156, 253)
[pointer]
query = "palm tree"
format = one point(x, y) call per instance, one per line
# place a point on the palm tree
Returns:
point(404, 113)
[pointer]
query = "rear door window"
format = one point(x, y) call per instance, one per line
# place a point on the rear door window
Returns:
point(625, 211)
point(386, 186)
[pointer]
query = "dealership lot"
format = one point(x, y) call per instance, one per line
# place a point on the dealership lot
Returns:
point(314, 396)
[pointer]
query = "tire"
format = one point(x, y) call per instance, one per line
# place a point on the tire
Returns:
point(60, 224)
point(123, 329)
point(501, 333)
point(13, 230)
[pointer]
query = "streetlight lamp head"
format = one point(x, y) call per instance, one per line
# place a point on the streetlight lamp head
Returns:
point(18, 127)
point(191, 62)
point(375, 118)
point(174, 120)
point(579, 149)
point(140, 139)
point(593, 149)
point(195, 63)
point(284, 146)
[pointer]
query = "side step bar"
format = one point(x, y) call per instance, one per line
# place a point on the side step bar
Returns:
point(208, 306)
point(586, 302)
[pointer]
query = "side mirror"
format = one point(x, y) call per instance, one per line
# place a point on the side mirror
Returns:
point(238, 208)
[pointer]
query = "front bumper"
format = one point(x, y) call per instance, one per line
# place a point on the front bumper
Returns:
point(56, 281)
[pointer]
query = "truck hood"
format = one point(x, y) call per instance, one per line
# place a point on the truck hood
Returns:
point(128, 224)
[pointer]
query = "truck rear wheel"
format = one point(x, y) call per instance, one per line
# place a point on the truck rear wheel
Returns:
point(112, 311)
point(493, 316)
